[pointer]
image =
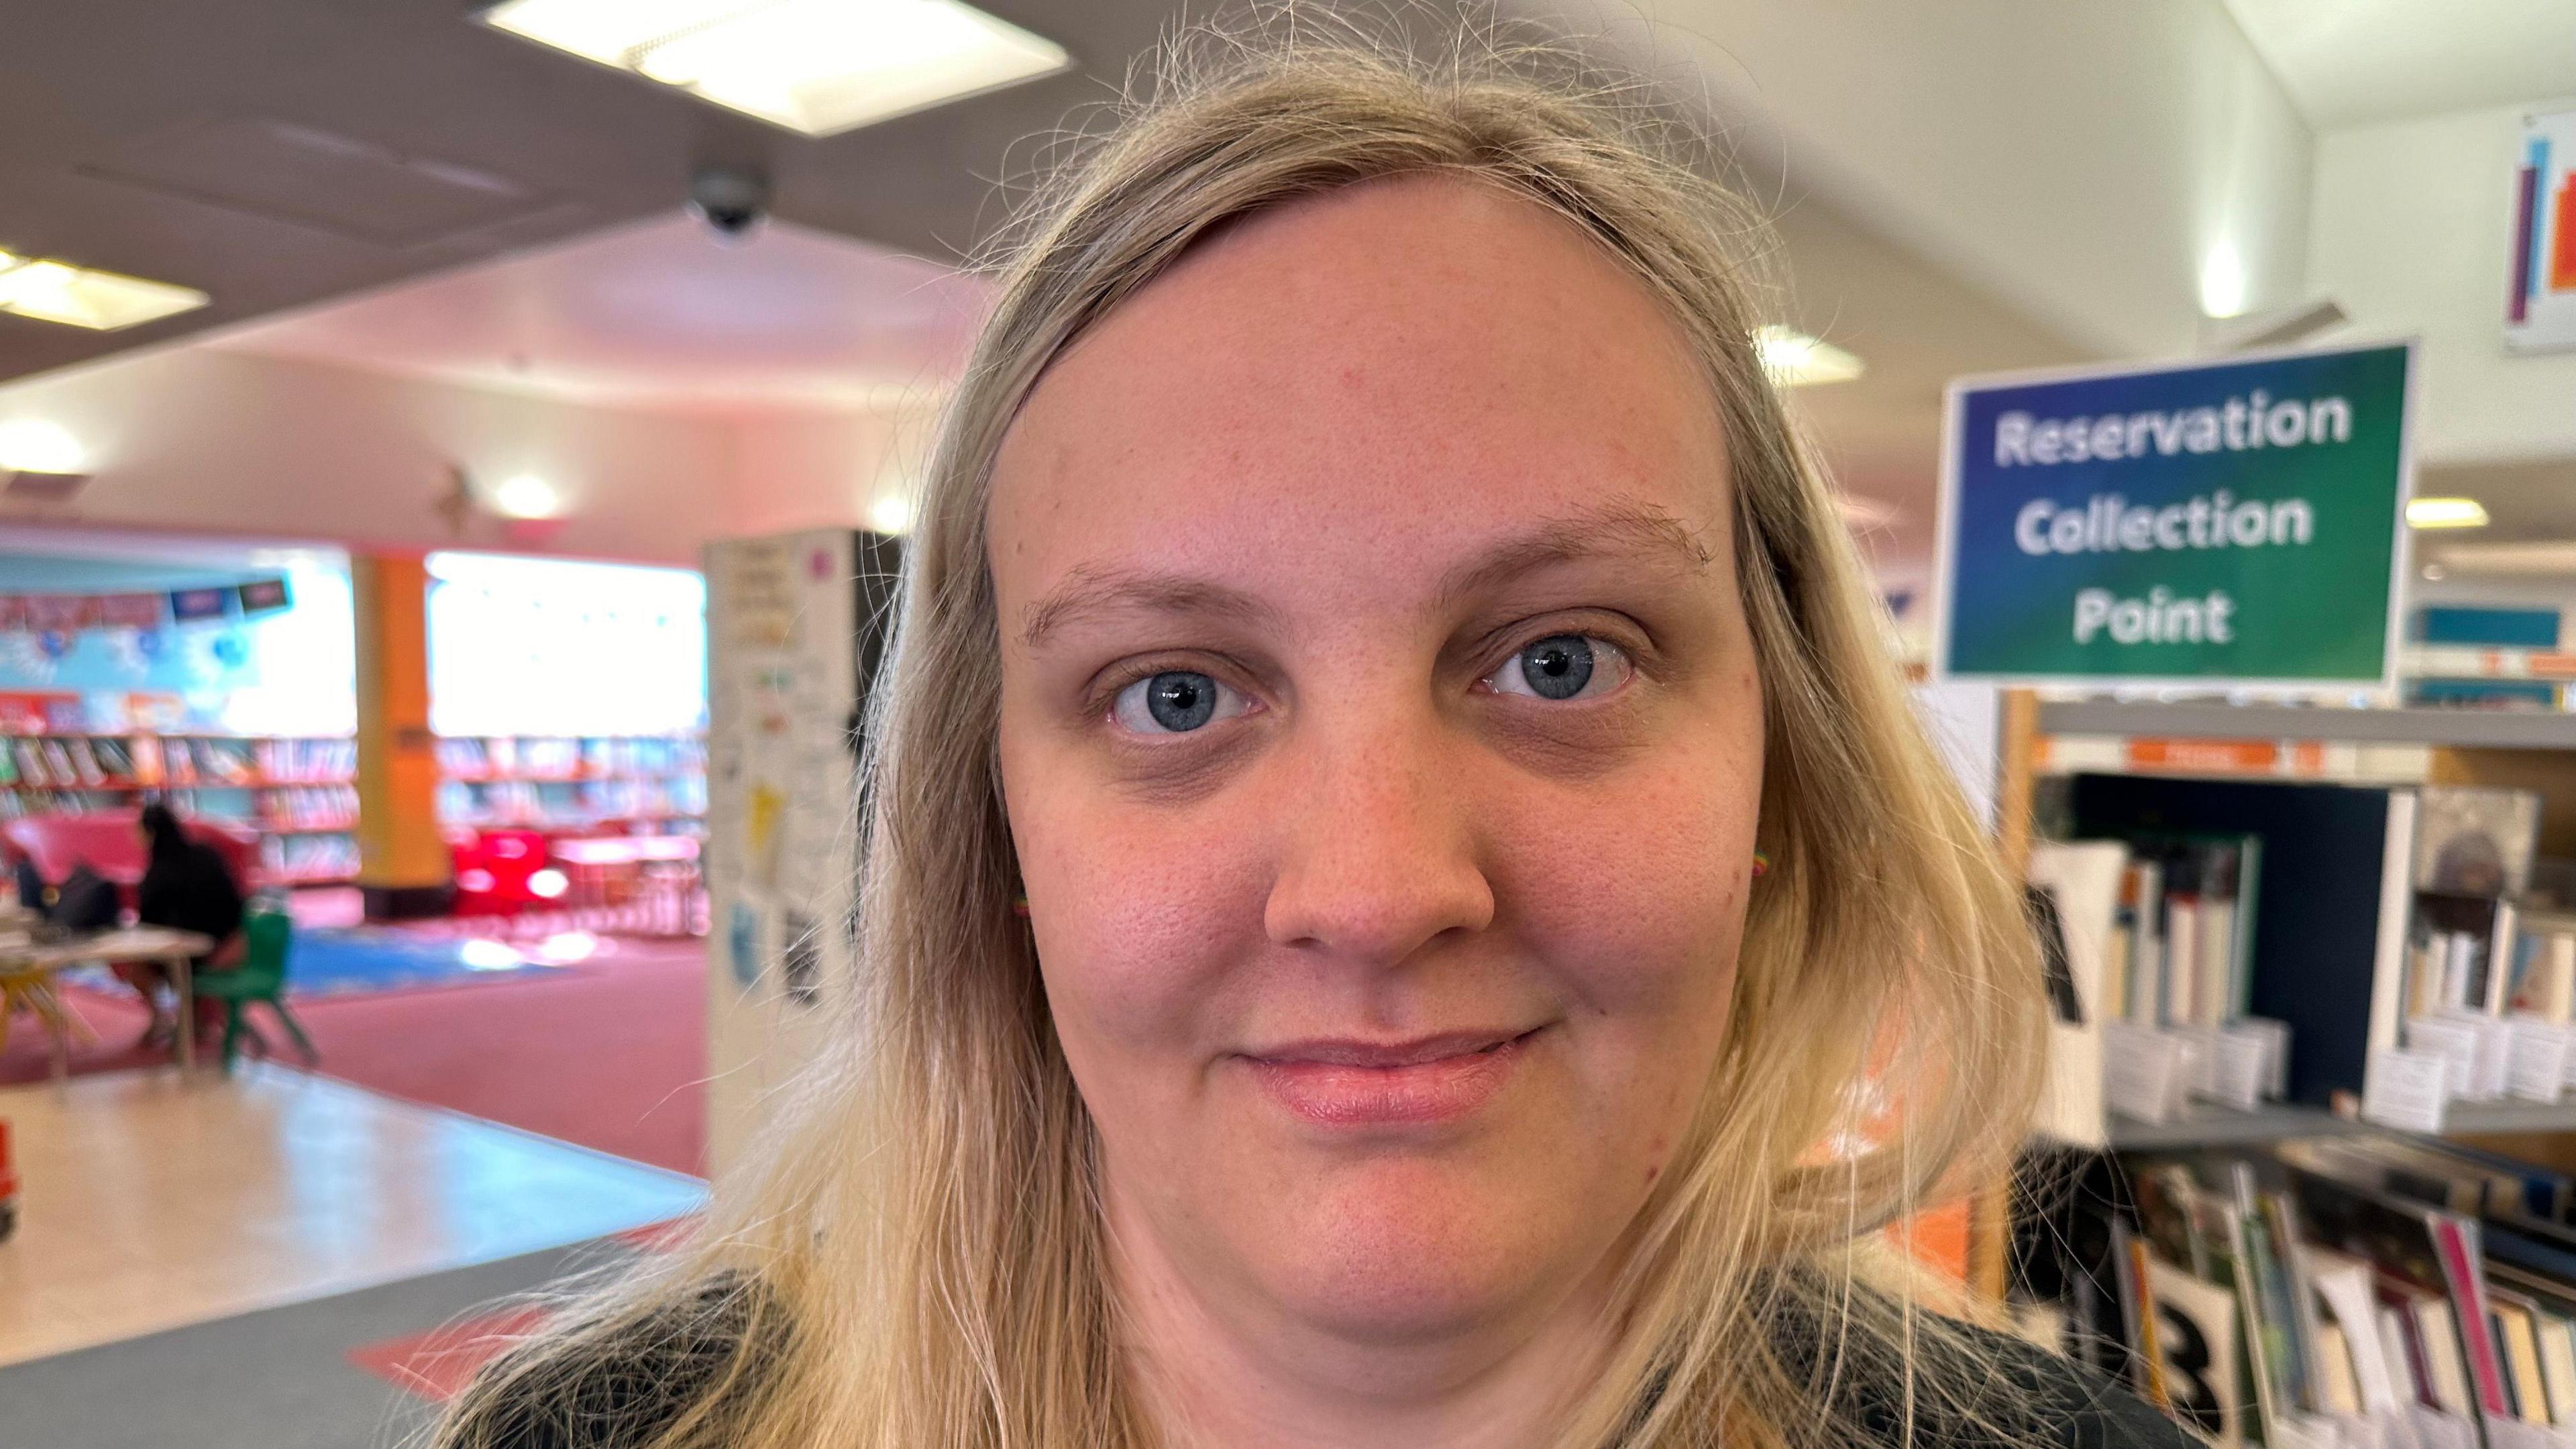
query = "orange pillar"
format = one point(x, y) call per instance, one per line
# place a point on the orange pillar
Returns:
point(402, 862)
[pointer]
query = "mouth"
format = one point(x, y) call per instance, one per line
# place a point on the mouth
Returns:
point(1352, 1083)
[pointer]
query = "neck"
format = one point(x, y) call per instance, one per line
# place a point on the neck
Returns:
point(1218, 1365)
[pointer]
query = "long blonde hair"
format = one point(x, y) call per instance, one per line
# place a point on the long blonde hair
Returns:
point(916, 1258)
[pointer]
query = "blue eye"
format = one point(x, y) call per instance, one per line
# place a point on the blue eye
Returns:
point(1174, 702)
point(1562, 666)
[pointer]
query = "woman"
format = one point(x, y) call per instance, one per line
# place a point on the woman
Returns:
point(187, 887)
point(1395, 850)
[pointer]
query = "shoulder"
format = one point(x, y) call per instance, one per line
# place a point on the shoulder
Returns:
point(1980, 1388)
point(1892, 1376)
point(622, 1380)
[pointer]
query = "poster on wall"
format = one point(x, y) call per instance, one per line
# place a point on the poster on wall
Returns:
point(2540, 313)
point(2199, 524)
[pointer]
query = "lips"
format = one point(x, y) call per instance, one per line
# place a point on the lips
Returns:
point(1354, 1084)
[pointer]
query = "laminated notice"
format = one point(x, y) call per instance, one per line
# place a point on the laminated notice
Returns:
point(2406, 1089)
point(2539, 1066)
point(2142, 1072)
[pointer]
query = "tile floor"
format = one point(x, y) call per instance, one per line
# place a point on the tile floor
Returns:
point(150, 1201)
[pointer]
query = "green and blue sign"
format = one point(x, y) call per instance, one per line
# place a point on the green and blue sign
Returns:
point(2238, 522)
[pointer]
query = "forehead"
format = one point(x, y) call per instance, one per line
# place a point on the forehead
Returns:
point(1365, 378)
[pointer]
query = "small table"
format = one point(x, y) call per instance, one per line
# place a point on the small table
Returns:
point(596, 859)
point(175, 949)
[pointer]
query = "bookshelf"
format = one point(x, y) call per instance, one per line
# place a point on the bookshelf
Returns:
point(2210, 1125)
point(2471, 729)
point(298, 792)
point(650, 784)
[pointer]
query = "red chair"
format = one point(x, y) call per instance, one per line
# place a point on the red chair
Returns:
point(493, 868)
point(111, 842)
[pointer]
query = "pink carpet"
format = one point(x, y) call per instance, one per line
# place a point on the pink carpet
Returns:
point(610, 1054)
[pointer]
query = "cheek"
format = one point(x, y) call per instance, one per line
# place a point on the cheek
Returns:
point(1636, 886)
point(1135, 912)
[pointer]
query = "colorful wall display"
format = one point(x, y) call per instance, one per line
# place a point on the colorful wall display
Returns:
point(271, 654)
point(2540, 312)
point(2233, 522)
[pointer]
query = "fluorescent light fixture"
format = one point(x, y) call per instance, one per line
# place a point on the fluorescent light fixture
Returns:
point(815, 66)
point(526, 496)
point(2445, 513)
point(1795, 359)
point(52, 291)
point(32, 445)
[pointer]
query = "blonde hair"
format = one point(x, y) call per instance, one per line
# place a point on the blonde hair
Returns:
point(917, 1259)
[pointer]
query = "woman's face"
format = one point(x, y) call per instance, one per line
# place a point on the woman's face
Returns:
point(1382, 740)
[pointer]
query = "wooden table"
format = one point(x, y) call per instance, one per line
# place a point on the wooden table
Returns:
point(175, 949)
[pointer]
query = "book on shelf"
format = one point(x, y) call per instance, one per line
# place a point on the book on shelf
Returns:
point(2371, 1294)
point(2245, 904)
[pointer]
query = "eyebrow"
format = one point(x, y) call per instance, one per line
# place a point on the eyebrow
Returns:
point(1605, 531)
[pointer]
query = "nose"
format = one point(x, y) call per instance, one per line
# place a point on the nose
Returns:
point(1378, 847)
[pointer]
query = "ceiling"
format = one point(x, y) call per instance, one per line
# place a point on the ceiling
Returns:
point(383, 184)
point(2355, 62)
point(661, 315)
point(275, 153)
point(1915, 328)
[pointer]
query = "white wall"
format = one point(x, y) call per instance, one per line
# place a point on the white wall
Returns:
point(2079, 161)
point(2412, 230)
point(823, 470)
point(199, 439)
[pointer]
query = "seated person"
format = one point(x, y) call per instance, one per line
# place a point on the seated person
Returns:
point(186, 887)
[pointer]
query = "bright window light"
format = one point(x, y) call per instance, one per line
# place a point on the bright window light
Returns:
point(2445, 513)
point(816, 66)
point(80, 297)
point(542, 646)
point(32, 445)
point(1795, 359)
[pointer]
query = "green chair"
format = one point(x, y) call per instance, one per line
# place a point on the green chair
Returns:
point(261, 977)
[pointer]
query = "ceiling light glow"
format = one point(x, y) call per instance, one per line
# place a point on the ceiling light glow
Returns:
point(2445, 513)
point(32, 445)
point(2222, 281)
point(52, 291)
point(815, 66)
point(1795, 359)
point(526, 496)
point(891, 515)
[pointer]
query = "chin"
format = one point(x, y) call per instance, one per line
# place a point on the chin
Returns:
point(1396, 1250)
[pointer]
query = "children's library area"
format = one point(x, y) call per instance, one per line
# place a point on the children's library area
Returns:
point(271, 801)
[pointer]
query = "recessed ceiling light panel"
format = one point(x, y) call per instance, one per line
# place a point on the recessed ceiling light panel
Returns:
point(51, 291)
point(815, 66)
point(2445, 513)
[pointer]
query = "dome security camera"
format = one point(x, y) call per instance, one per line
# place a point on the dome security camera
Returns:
point(730, 199)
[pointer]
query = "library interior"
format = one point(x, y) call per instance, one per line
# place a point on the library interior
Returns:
point(456, 467)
